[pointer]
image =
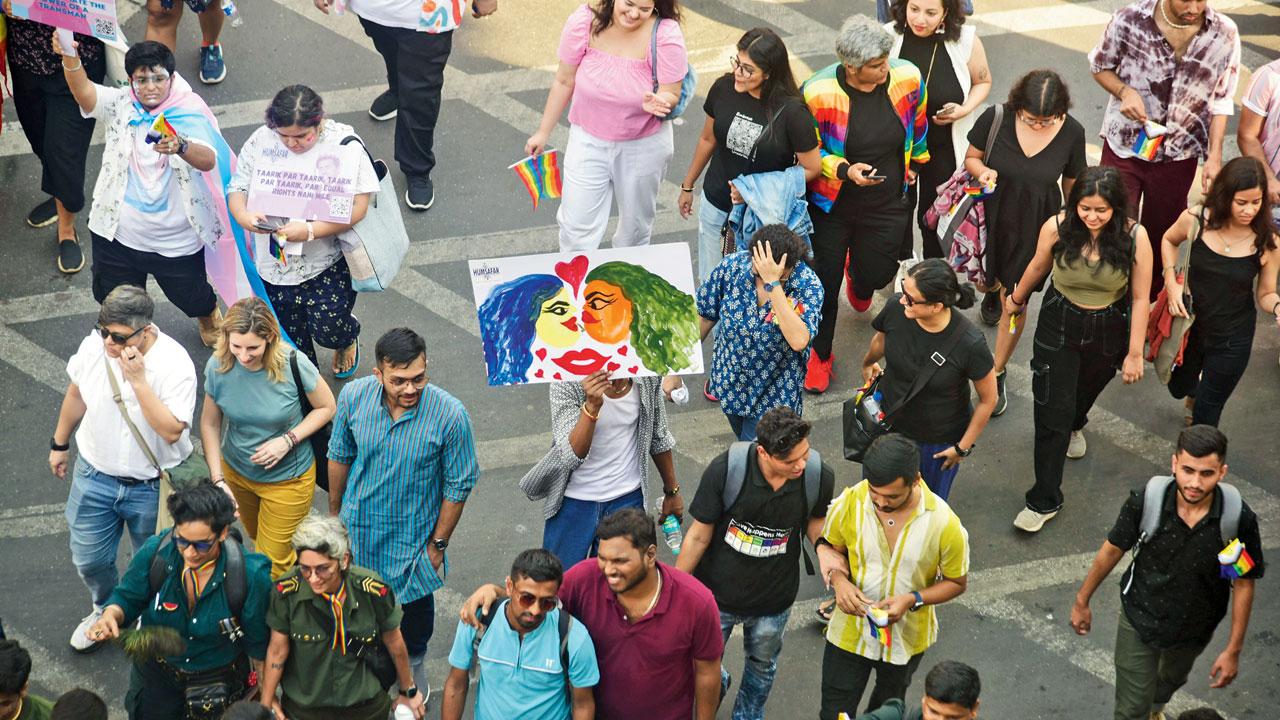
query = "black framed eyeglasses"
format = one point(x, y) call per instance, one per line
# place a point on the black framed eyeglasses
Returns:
point(116, 337)
point(747, 70)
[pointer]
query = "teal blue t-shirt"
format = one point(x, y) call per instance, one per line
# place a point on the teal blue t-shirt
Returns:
point(255, 409)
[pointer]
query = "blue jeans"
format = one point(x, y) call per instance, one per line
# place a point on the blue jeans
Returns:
point(761, 643)
point(938, 480)
point(571, 533)
point(744, 428)
point(99, 507)
point(710, 220)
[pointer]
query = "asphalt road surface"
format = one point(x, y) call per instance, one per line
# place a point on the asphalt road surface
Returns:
point(1012, 623)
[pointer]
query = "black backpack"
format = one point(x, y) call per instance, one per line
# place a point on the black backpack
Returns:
point(486, 619)
point(235, 586)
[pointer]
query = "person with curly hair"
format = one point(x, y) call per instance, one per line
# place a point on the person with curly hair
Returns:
point(623, 301)
point(766, 302)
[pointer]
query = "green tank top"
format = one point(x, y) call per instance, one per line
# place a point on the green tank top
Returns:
point(1092, 284)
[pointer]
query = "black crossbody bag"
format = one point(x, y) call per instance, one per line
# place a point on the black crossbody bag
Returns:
point(319, 439)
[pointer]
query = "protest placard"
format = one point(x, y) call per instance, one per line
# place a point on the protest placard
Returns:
point(87, 17)
point(314, 185)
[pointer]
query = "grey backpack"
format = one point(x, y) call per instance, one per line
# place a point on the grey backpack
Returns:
point(1153, 506)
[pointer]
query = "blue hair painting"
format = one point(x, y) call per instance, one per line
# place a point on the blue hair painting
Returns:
point(507, 321)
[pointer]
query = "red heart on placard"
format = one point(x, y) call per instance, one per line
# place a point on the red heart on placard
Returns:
point(573, 271)
point(622, 350)
point(633, 369)
point(556, 376)
point(537, 373)
point(612, 366)
point(541, 353)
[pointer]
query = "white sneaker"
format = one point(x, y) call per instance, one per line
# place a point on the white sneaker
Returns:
point(1078, 445)
point(1029, 520)
point(80, 641)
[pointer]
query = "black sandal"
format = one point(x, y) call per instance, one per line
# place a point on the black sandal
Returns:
point(70, 257)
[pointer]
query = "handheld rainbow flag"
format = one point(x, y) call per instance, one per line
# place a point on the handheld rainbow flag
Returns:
point(160, 129)
point(1149, 139)
point(1235, 560)
point(540, 175)
point(277, 250)
point(878, 623)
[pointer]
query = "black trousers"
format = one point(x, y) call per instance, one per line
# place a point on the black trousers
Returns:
point(870, 234)
point(415, 74)
point(59, 136)
point(1209, 373)
point(156, 691)
point(921, 197)
point(845, 676)
point(182, 279)
point(1075, 354)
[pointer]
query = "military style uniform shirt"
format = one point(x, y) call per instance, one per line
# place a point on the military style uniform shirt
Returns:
point(207, 646)
point(35, 708)
point(1178, 595)
point(315, 674)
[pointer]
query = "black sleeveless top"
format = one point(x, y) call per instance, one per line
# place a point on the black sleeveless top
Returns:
point(1222, 292)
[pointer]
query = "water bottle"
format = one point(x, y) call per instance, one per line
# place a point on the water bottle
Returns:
point(680, 396)
point(403, 713)
point(229, 9)
point(671, 531)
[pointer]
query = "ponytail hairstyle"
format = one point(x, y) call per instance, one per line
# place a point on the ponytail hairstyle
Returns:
point(1240, 175)
point(1115, 245)
point(937, 283)
point(295, 105)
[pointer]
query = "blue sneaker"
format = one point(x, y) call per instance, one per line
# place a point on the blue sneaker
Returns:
point(212, 67)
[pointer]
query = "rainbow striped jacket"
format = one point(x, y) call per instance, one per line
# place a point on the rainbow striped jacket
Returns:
point(830, 107)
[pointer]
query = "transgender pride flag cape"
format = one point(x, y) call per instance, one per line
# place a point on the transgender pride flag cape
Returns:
point(228, 259)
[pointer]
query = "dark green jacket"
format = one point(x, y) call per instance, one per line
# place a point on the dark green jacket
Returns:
point(892, 710)
point(207, 646)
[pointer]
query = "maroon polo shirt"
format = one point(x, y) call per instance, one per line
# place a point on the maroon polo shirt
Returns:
point(646, 669)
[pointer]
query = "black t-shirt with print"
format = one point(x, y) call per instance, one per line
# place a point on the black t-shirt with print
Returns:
point(752, 564)
point(940, 412)
point(739, 120)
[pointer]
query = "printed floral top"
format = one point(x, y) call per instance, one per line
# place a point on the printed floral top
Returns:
point(753, 369)
point(31, 48)
point(1181, 94)
point(116, 108)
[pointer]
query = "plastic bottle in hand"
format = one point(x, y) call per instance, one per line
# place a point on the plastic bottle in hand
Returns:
point(671, 531)
point(403, 713)
point(229, 9)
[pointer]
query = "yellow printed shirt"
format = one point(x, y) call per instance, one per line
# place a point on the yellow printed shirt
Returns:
point(932, 544)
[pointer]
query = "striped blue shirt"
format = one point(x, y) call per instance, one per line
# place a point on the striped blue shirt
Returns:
point(401, 473)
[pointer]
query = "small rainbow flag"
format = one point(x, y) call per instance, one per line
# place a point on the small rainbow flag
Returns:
point(277, 250)
point(540, 175)
point(1235, 560)
point(878, 623)
point(160, 129)
point(1149, 139)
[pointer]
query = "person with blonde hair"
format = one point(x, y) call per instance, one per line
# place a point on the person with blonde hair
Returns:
point(262, 458)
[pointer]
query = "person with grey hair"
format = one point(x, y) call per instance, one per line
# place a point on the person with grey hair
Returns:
point(115, 483)
point(327, 617)
point(872, 124)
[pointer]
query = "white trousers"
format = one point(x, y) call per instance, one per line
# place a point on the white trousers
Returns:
point(596, 171)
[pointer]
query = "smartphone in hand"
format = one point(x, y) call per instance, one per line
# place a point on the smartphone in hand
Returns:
point(271, 223)
point(874, 174)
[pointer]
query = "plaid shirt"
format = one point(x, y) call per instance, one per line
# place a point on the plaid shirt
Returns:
point(1181, 94)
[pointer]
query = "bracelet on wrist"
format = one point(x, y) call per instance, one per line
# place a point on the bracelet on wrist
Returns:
point(293, 438)
point(57, 446)
point(587, 412)
point(687, 189)
point(79, 65)
point(1275, 307)
point(672, 492)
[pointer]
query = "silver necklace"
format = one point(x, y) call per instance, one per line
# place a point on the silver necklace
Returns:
point(1164, 14)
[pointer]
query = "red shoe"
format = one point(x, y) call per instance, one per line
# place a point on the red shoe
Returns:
point(817, 377)
point(706, 392)
point(859, 305)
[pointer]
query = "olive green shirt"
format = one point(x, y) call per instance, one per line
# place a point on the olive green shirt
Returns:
point(35, 708)
point(316, 675)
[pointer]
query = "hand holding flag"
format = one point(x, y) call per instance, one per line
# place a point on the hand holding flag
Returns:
point(540, 174)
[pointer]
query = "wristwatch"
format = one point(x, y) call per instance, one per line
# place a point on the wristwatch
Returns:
point(672, 492)
point(410, 693)
point(182, 146)
point(441, 544)
point(919, 603)
point(53, 445)
point(769, 286)
point(962, 452)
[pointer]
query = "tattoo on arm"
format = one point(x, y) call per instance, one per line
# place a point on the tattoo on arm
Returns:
point(277, 666)
point(984, 75)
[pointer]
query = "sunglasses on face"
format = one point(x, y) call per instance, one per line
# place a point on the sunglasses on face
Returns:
point(116, 337)
point(201, 546)
point(547, 604)
point(906, 296)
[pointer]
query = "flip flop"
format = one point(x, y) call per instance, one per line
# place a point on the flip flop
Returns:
point(344, 374)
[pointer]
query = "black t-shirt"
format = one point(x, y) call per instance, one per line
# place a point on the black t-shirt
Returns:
point(875, 136)
point(930, 55)
point(940, 412)
point(752, 565)
point(739, 120)
point(1178, 595)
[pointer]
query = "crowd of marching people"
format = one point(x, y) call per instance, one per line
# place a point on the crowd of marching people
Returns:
point(243, 600)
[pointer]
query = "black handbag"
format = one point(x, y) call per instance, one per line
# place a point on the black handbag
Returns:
point(207, 694)
point(319, 439)
point(863, 417)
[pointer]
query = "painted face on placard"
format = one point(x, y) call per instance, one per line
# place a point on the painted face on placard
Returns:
point(606, 312)
point(557, 324)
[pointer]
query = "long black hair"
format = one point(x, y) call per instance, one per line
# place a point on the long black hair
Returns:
point(664, 9)
point(769, 54)
point(1115, 246)
point(1241, 174)
point(952, 18)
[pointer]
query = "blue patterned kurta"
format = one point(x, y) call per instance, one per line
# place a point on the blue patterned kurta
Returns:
point(401, 472)
point(753, 369)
